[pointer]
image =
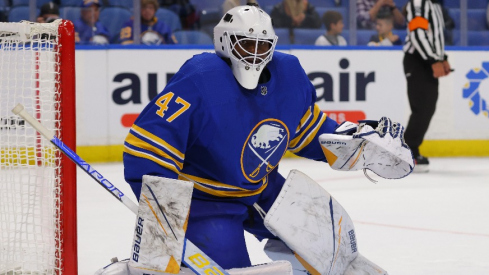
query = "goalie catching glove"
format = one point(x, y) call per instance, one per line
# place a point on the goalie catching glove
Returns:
point(377, 146)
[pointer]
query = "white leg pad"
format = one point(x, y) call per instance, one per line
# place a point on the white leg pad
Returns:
point(278, 250)
point(159, 236)
point(362, 266)
point(313, 225)
point(272, 268)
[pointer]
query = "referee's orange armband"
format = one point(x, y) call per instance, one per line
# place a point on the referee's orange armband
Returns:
point(418, 22)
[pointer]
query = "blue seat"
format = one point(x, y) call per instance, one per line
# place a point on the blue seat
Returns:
point(477, 4)
point(268, 3)
point(363, 36)
point(70, 13)
point(476, 20)
point(400, 3)
point(39, 3)
point(455, 15)
point(268, 9)
point(113, 18)
point(70, 3)
point(307, 36)
point(169, 18)
point(128, 4)
point(325, 3)
point(210, 11)
point(283, 36)
point(471, 4)
point(449, 4)
point(193, 38)
point(478, 38)
point(17, 14)
point(343, 11)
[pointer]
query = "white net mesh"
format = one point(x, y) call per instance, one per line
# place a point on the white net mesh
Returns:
point(30, 229)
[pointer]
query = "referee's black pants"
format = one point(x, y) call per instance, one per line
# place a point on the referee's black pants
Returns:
point(422, 90)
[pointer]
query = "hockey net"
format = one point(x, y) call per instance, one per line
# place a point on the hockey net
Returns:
point(37, 183)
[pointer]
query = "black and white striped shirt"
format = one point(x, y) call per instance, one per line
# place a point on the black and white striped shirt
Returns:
point(425, 30)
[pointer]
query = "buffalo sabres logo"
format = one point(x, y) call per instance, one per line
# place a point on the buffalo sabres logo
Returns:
point(264, 147)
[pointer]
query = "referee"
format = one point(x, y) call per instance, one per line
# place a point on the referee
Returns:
point(424, 62)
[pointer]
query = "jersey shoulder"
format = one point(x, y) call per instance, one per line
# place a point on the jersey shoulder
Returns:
point(284, 58)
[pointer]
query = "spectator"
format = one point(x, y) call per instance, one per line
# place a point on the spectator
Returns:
point(88, 29)
point(367, 11)
point(333, 21)
point(189, 17)
point(229, 4)
point(295, 14)
point(384, 37)
point(153, 32)
point(49, 12)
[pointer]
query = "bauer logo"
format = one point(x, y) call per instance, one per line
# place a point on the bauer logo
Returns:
point(329, 142)
point(137, 240)
point(353, 241)
point(472, 91)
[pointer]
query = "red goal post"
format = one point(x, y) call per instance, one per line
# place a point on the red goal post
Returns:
point(37, 182)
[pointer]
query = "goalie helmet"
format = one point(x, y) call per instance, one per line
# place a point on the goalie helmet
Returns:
point(246, 37)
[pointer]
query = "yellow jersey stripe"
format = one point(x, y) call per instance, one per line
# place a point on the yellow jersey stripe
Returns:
point(311, 135)
point(304, 119)
point(210, 182)
point(231, 194)
point(295, 141)
point(158, 141)
point(137, 142)
point(152, 158)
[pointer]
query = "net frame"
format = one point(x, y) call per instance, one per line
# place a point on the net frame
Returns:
point(48, 42)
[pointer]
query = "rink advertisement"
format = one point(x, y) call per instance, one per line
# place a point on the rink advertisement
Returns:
point(114, 85)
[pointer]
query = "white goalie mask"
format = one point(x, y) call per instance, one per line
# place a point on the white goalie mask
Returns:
point(245, 35)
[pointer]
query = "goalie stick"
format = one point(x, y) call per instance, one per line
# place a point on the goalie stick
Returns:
point(193, 257)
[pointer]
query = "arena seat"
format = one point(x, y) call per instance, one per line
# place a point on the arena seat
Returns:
point(478, 38)
point(283, 36)
point(169, 18)
point(193, 38)
point(307, 36)
point(113, 18)
point(210, 11)
point(128, 4)
point(70, 3)
point(476, 20)
point(39, 3)
point(70, 13)
point(363, 36)
point(323, 3)
point(455, 15)
point(19, 13)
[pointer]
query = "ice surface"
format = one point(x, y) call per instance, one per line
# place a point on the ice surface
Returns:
point(433, 223)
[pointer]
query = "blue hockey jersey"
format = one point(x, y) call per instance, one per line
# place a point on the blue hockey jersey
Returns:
point(207, 128)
